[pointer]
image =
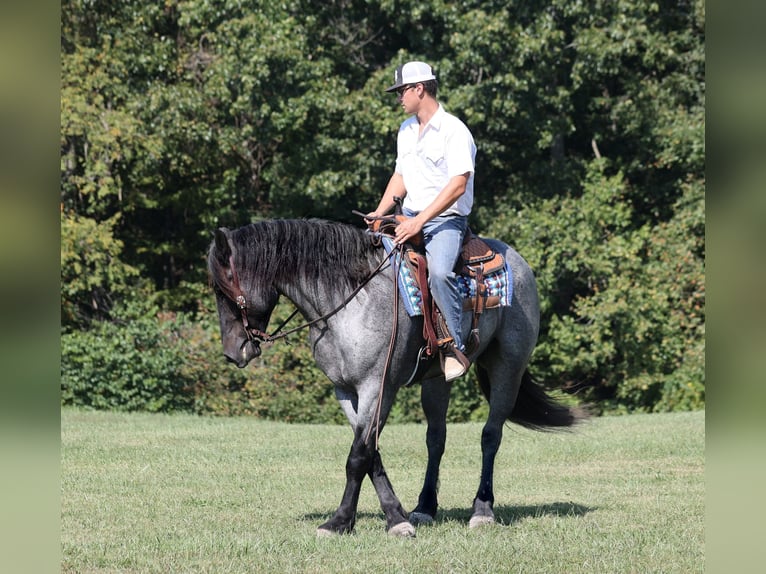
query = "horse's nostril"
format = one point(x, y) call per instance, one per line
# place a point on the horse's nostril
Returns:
point(248, 351)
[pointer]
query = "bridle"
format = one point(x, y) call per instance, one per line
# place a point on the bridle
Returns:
point(252, 333)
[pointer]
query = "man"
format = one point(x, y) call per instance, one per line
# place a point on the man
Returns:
point(435, 158)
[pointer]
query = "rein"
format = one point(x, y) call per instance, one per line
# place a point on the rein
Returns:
point(390, 354)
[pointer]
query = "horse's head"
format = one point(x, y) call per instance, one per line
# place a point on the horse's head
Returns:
point(244, 304)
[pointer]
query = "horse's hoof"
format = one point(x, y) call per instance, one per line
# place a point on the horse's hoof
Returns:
point(480, 520)
point(421, 519)
point(403, 530)
point(325, 533)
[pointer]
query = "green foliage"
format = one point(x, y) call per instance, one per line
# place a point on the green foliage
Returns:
point(623, 309)
point(122, 366)
point(178, 117)
point(147, 359)
point(92, 274)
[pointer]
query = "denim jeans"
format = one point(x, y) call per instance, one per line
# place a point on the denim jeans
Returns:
point(443, 237)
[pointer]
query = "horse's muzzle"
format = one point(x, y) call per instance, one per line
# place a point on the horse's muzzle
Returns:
point(248, 351)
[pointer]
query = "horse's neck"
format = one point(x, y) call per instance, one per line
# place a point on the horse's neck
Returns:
point(316, 297)
point(313, 301)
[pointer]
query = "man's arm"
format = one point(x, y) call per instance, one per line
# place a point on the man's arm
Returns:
point(450, 194)
point(395, 188)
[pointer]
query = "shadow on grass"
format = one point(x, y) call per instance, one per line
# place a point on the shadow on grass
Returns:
point(504, 515)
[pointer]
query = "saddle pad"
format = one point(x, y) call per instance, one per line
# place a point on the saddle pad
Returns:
point(499, 284)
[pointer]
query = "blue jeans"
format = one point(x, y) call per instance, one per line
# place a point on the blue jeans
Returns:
point(443, 237)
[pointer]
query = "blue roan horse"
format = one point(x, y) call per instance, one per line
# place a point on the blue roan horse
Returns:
point(317, 264)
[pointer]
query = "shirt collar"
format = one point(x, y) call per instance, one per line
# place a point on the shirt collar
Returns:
point(436, 119)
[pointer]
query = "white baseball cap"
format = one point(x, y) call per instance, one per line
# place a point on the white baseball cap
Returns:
point(411, 73)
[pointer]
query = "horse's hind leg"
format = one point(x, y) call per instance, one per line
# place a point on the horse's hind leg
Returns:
point(434, 396)
point(504, 390)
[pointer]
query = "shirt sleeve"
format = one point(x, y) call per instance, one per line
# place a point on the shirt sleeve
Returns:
point(400, 147)
point(461, 151)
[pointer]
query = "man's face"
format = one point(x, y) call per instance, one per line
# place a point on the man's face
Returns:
point(409, 97)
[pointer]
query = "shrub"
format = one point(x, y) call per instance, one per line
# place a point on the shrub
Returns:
point(146, 360)
point(123, 366)
point(149, 361)
point(622, 306)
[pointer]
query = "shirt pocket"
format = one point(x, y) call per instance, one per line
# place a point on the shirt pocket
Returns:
point(435, 156)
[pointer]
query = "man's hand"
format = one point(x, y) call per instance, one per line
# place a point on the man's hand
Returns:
point(407, 229)
point(372, 215)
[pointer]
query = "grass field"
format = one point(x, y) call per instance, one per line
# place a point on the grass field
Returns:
point(158, 493)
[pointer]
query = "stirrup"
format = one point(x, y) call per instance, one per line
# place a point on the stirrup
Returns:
point(454, 363)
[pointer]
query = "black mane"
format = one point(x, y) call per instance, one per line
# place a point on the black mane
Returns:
point(311, 251)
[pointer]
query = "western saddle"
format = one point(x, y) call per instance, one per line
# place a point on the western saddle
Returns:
point(476, 261)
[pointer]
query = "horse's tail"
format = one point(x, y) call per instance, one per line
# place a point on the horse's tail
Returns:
point(536, 409)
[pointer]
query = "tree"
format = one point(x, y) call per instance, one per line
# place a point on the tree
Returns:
point(92, 274)
point(623, 308)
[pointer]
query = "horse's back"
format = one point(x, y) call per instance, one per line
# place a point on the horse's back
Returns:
point(523, 276)
point(523, 314)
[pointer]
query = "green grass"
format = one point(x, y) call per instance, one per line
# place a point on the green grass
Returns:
point(177, 493)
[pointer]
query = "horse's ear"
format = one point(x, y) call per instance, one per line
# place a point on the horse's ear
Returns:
point(222, 245)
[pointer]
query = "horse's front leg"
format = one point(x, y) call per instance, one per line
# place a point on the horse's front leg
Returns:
point(358, 464)
point(363, 460)
point(396, 518)
point(434, 396)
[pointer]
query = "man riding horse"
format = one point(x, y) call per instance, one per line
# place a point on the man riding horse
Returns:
point(434, 176)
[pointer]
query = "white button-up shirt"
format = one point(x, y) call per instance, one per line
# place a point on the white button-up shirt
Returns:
point(429, 159)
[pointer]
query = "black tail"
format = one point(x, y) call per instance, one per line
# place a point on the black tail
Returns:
point(535, 409)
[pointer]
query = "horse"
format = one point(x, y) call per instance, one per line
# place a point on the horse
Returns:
point(341, 282)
